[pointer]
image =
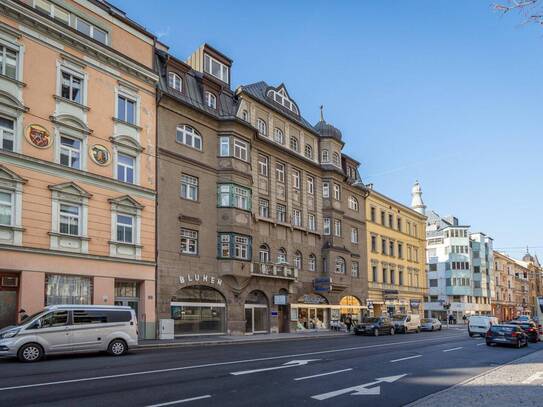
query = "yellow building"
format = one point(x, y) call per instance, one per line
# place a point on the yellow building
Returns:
point(396, 254)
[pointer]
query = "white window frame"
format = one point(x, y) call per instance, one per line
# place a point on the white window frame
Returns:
point(283, 217)
point(92, 28)
point(264, 254)
point(325, 156)
point(82, 87)
point(189, 187)
point(263, 208)
point(245, 115)
point(70, 217)
point(224, 146)
point(355, 269)
point(294, 144)
point(340, 265)
point(282, 256)
point(224, 70)
point(8, 204)
point(298, 260)
point(354, 235)
point(12, 132)
point(125, 227)
point(337, 227)
point(310, 185)
point(175, 81)
point(210, 99)
point(263, 165)
point(296, 175)
point(353, 203)
point(326, 189)
point(125, 166)
point(282, 98)
point(308, 151)
point(312, 262)
point(311, 222)
point(262, 127)
point(3, 51)
point(278, 136)
point(326, 226)
point(296, 217)
point(189, 235)
point(241, 247)
point(241, 150)
point(280, 171)
point(12, 185)
point(337, 192)
point(127, 98)
point(183, 131)
point(70, 151)
point(336, 159)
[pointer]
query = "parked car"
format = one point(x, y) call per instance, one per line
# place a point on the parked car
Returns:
point(375, 326)
point(524, 318)
point(430, 324)
point(70, 329)
point(404, 323)
point(530, 328)
point(507, 335)
point(479, 324)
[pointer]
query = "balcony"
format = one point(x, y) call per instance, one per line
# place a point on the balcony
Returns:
point(283, 271)
point(402, 288)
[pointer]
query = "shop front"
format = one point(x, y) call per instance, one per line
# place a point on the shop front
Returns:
point(350, 306)
point(256, 313)
point(311, 312)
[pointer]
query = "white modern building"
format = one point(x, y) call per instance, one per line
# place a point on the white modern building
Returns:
point(459, 268)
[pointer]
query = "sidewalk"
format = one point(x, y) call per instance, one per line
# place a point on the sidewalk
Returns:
point(517, 383)
point(233, 340)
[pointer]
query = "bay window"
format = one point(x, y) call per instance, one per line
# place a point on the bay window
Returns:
point(234, 196)
point(234, 246)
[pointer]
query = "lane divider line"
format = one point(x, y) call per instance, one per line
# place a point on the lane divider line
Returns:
point(171, 403)
point(407, 358)
point(323, 374)
point(453, 349)
point(233, 362)
point(481, 344)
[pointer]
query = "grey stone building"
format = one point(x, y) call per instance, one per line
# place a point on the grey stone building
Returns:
point(261, 216)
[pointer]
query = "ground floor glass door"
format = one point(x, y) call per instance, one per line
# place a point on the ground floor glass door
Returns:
point(256, 318)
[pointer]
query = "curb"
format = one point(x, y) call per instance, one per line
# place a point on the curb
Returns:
point(231, 342)
point(464, 382)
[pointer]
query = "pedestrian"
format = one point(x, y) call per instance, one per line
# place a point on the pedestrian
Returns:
point(451, 318)
point(22, 315)
point(464, 318)
point(348, 322)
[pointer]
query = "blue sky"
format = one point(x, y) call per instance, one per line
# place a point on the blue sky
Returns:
point(445, 92)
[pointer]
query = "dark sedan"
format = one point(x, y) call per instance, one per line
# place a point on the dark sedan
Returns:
point(375, 326)
point(529, 327)
point(506, 335)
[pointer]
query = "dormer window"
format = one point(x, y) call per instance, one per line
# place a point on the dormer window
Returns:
point(278, 136)
point(245, 115)
point(52, 10)
point(90, 30)
point(175, 81)
point(282, 98)
point(216, 68)
point(335, 159)
point(325, 156)
point(294, 143)
point(262, 128)
point(211, 100)
point(308, 151)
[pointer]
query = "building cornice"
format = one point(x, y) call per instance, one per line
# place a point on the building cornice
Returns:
point(391, 201)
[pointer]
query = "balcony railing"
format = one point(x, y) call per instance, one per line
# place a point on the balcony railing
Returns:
point(283, 271)
point(387, 286)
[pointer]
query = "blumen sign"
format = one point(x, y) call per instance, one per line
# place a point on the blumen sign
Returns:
point(200, 278)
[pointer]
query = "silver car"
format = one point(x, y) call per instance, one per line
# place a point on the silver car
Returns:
point(430, 324)
point(70, 329)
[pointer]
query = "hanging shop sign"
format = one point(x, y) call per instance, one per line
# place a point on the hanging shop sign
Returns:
point(322, 284)
point(280, 299)
point(38, 136)
point(100, 154)
point(200, 278)
point(312, 299)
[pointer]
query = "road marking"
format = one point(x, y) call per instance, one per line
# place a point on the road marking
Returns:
point(170, 403)
point(481, 344)
point(233, 362)
point(453, 349)
point(360, 390)
point(323, 374)
point(407, 358)
point(533, 378)
point(292, 363)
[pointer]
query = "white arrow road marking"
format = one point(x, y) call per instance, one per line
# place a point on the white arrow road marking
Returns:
point(323, 374)
point(452, 349)
point(533, 378)
point(292, 363)
point(360, 390)
point(171, 403)
point(481, 344)
point(407, 358)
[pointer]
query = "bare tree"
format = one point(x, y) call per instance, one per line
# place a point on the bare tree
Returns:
point(530, 10)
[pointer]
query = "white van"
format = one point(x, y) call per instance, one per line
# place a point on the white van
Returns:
point(479, 324)
point(404, 323)
point(70, 329)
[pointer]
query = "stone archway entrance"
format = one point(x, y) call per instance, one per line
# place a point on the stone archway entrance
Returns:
point(256, 313)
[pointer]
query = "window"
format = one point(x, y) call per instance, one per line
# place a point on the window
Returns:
point(355, 269)
point(294, 143)
point(125, 227)
point(125, 168)
point(211, 100)
point(189, 136)
point(263, 165)
point(310, 185)
point(63, 289)
point(175, 82)
point(264, 208)
point(225, 246)
point(385, 275)
point(71, 87)
point(298, 260)
point(400, 250)
point(189, 187)
point(399, 224)
point(383, 246)
point(374, 243)
point(296, 179)
point(245, 115)
point(240, 149)
point(264, 254)
point(296, 217)
point(216, 68)
point(390, 221)
point(224, 146)
point(326, 190)
point(383, 218)
point(326, 226)
point(337, 192)
point(70, 152)
point(372, 214)
point(6, 208)
point(340, 265)
point(337, 227)
point(126, 109)
point(280, 172)
point(354, 235)
point(282, 256)
point(281, 213)
point(353, 203)
point(278, 136)
point(69, 219)
point(282, 98)
point(433, 282)
point(241, 247)
point(335, 159)
point(52, 10)
point(374, 277)
point(308, 151)
point(312, 262)
point(392, 276)
point(90, 30)
point(311, 224)
point(262, 127)
point(189, 241)
point(325, 156)
point(391, 248)
point(400, 277)
point(7, 133)
point(8, 62)
point(234, 196)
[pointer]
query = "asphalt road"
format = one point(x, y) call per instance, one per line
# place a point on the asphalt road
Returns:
point(383, 371)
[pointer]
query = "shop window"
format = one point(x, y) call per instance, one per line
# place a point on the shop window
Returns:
point(64, 289)
point(198, 310)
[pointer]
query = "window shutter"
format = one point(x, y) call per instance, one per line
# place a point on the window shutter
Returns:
point(250, 205)
point(250, 253)
point(219, 245)
point(232, 245)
